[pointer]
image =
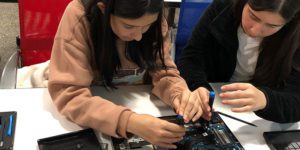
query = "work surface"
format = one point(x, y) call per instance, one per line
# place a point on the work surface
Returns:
point(38, 117)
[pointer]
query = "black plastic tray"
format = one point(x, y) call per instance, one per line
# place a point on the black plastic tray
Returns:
point(288, 139)
point(79, 140)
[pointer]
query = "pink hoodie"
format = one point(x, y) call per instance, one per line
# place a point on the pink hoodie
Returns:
point(71, 76)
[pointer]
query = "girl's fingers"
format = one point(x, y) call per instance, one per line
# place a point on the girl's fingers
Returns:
point(174, 128)
point(235, 86)
point(192, 113)
point(184, 100)
point(204, 96)
point(237, 102)
point(188, 111)
point(197, 116)
point(242, 109)
point(167, 145)
point(176, 105)
point(233, 94)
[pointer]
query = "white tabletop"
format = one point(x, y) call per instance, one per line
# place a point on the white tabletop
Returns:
point(38, 118)
point(249, 136)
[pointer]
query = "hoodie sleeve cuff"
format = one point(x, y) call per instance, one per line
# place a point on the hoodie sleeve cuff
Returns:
point(122, 125)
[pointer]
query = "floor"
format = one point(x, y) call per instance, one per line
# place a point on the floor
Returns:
point(9, 29)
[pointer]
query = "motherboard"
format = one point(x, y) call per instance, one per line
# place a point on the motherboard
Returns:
point(200, 135)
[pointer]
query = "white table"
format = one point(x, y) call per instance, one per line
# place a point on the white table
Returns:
point(250, 137)
point(38, 118)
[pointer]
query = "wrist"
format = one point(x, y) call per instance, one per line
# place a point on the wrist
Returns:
point(263, 100)
point(132, 121)
point(123, 123)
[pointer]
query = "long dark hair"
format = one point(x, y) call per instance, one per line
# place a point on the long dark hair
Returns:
point(104, 52)
point(277, 58)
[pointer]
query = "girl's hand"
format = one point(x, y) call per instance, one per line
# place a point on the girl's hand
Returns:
point(243, 96)
point(189, 104)
point(204, 100)
point(156, 131)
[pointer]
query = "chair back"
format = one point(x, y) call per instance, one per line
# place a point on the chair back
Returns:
point(39, 20)
point(189, 15)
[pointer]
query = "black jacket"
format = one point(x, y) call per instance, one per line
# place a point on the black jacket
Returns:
point(211, 54)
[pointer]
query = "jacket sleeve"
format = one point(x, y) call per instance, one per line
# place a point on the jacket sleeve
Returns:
point(192, 62)
point(71, 76)
point(283, 104)
point(167, 83)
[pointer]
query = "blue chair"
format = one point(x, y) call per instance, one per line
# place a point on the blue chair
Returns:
point(189, 15)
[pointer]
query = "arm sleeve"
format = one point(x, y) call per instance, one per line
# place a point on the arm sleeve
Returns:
point(167, 83)
point(283, 104)
point(71, 76)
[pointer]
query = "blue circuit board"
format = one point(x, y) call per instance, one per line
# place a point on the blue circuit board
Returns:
point(200, 135)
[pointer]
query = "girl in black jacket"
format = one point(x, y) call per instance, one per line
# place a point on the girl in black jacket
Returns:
point(253, 41)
